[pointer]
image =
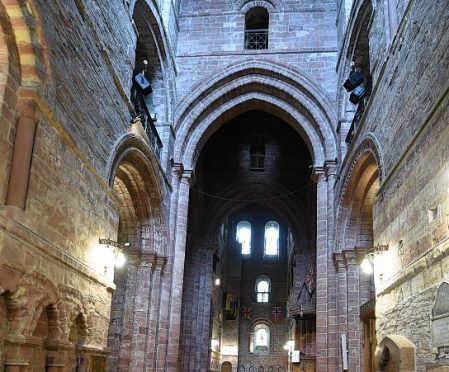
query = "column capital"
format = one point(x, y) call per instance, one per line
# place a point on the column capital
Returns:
point(330, 167)
point(160, 263)
point(177, 169)
point(318, 173)
point(349, 257)
point(189, 176)
point(339, 261)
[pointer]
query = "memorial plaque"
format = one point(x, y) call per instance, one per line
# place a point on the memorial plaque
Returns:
point(439, 321)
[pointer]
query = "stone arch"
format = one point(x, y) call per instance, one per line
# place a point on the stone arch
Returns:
point(10, 80)
point(365, 168)
point(396, 354)
point(32, 53)
point(34, 293)
point(266, 86)
point(226, 366)
point(152, 45)
point(271, 5)
point(137, 178)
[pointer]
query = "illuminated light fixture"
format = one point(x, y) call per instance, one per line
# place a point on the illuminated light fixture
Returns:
point(117, 249)
point(367, 262)
point(217, 281)
point(366, 266)
point(356, 84)
point(214, 344)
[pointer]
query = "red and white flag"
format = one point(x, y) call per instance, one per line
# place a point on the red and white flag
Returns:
point(276, 314)
point(247, 312)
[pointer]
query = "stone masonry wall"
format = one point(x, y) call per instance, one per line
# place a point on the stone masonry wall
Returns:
point(301, 34)
point(408, 114)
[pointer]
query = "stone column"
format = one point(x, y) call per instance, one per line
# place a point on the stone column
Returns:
point(196, 310)
point(141, 311)
point(332, 333)
point(177, 271)
point(166, 278)
point(340, 266)
point(321, 272)
point(22, 155)
point(120, 357)
point(353, 311)
point(154, 310)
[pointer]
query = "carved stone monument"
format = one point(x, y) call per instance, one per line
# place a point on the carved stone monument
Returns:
point(440, 323)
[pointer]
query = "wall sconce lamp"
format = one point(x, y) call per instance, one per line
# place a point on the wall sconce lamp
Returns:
point(217, 282)
point(117, 249)
point(370, 254)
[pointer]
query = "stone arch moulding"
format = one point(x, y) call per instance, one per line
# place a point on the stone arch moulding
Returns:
point(32, 51)
point(268, 86)
point(150, 171)
point(370, 145)
point(271, 5)
point(396, 353)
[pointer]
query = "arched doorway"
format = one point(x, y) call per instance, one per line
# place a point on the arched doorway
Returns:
point(226, 367)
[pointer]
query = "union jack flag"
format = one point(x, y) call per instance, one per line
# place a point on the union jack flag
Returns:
point(276, 314)
point(309, 281)
point(247, 312)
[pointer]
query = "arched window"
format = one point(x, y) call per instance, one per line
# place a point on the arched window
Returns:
point(243, 236)
point(263, 288)
point(260, 339)
point(256, 28)
point(271, 239)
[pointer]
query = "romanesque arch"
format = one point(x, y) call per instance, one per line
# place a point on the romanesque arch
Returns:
point(136, 180)
point(255, 85)
point(354, 237)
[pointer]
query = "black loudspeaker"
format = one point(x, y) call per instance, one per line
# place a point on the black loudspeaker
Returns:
point(142, 83)
point(354, 80)
point(358, 94)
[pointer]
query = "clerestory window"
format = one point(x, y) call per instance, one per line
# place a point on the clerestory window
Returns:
point(271, 248)
point(243, 236)
point(256, 28)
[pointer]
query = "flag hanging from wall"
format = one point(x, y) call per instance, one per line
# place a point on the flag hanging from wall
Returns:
point(309, 281)
point(247, 312)
point(276, 314)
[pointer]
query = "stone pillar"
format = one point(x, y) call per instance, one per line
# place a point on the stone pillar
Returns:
point(332, 328)
point(166, 278)
point(353, 311)
point(177, 271)
point(141, 309)
point(196, 310)
point(122, 360)
point(321, 272)
point(154, 311)
point(22, 155)
point(340, 266)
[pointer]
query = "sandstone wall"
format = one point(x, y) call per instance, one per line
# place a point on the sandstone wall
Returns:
point(301, 35)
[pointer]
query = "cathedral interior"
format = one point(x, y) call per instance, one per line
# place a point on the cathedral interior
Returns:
point(224, 185)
